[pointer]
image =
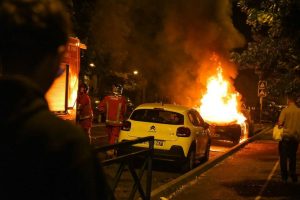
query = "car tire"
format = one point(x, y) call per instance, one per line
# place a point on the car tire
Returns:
point(189, 163)
point(251, 130)
point(207, 151)
point(237, 133)
point(235, 141)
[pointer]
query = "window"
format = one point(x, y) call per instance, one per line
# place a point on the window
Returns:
point(195, 118)
point(157, 116)
point(199, 118)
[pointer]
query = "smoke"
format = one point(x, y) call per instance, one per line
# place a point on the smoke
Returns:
point(169, 41)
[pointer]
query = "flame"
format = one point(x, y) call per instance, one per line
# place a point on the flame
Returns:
point(73, 87)
point(219, 105)
point(56, 96)
point(62, 95)
point(57, 93)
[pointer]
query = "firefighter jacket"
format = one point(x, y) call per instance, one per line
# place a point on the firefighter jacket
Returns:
point(84, 110)
point(115, 108)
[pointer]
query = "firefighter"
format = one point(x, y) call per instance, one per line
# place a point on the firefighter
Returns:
point(84, 110)
point(114, 106)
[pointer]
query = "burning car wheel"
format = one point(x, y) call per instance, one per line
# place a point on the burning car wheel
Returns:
point(235, 141)
point(236, 133)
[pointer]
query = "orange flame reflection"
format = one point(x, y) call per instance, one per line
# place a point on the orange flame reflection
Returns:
point(219, 105)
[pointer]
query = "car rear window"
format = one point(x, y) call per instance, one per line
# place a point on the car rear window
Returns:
point(157, 116)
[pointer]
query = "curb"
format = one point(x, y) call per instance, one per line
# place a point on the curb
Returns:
point(167, 190)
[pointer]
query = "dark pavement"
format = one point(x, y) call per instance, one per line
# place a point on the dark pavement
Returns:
point(251, 173)
point(99, 137)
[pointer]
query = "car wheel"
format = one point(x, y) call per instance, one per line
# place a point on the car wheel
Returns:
point(235, 141)
point(251, 130)
point(207, 151)
point(190, 161)
point(237, 133)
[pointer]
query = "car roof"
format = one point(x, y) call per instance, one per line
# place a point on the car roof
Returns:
point(169, 107)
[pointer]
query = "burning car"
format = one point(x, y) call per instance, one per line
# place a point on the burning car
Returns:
point(221, 108)
point(230, 132)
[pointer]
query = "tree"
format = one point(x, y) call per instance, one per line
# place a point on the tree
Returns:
point(274, 49)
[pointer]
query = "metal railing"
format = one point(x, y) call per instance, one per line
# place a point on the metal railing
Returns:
point(126, 159)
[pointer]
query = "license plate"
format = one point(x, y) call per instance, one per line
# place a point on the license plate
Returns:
point(156, 143)
point(159, 142)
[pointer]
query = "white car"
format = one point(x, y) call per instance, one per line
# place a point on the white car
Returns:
point(180, 133)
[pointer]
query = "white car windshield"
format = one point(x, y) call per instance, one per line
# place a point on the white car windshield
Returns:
point(157, 116)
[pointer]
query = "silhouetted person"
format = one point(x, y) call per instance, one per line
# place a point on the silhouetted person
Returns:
point(84, 110)
point(289, 119)
point(114, 106)
point(41, 156)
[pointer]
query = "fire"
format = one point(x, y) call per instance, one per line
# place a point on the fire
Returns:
point(73, 88)
point(219, 105)
point(62, 95)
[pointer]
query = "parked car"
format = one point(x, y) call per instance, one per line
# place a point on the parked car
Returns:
point(228, 132)
point(179, 132)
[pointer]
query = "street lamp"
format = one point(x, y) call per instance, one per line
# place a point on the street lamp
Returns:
point(141, 80)
point(92, 65)
point(135, 72)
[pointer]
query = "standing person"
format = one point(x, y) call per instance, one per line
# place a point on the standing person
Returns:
point(84, 110)
point(115, 108)
point(42, 156)
point(289, 119)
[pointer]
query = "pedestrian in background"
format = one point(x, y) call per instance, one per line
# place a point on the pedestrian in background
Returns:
point(42, 156)
point(289, 119)
point(84, 110)
point(114, 106)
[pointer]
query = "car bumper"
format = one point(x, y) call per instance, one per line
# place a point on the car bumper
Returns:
point(229, 132)
point(176, 153)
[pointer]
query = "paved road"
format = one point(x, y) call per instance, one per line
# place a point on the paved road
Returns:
point(163, 172)
point(251, 173)
point(99, 138)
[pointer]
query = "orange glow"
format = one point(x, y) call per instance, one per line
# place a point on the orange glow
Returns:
point(57, 94)
point(62, 95)
point(220, 103)
point(73, 87)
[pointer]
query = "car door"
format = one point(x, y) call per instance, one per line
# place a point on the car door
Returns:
point(205, 132)
point(198, 133)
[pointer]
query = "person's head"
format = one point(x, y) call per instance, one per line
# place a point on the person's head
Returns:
point(83, 88)
point(33, 35)
point(117, 89)
point(291, 98)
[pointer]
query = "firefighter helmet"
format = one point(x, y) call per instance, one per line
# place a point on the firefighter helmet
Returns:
point(117, 89)
point(84, 86)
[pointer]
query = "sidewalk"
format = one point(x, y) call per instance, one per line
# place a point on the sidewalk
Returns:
point(251, 173)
